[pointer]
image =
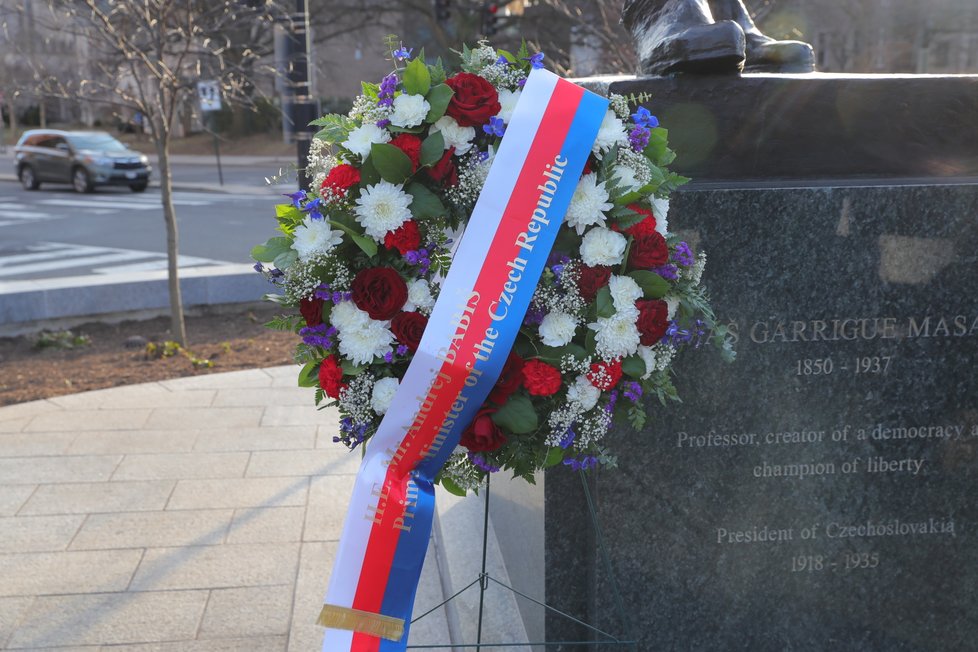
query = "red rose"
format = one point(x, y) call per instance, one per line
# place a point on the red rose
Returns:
point(510, 379)
point(474, 102)
point(341, 178)
point(408, 328)
point(653, 320)
point(646, 226)
point(540, 379)
point(648, 251)
point(331, 376)
point(312, 311)
point(591, 280)
point(483, 434)
point(605, 375)
point(380, 292)
point(410, 145)
point(443, 172)
point(404, 238)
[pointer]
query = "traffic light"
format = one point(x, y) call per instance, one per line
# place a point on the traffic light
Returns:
point(490, 15)
point(442, 12)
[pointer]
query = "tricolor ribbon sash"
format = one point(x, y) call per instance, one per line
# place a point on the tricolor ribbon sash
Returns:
point(471, 330)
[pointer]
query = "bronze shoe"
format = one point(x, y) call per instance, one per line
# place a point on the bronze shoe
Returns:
point(765, 54)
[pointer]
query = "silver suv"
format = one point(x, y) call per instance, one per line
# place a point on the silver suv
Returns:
point(84, 159)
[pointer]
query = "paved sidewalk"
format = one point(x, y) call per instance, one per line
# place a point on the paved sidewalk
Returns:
point(196, 514)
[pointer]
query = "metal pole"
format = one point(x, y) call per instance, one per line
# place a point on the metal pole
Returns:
point(303, 104)
point(217, 145)
point(483, 576)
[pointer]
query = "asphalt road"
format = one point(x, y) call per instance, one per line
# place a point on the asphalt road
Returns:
point(55, 232)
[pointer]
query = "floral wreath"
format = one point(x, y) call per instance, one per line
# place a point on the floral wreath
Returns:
point(359, 261)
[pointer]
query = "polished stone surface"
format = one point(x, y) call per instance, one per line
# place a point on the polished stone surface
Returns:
point(855, 312)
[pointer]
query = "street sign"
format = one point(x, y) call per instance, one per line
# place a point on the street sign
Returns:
point(209, 94)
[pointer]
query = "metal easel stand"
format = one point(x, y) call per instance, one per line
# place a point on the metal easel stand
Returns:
point(602, 638)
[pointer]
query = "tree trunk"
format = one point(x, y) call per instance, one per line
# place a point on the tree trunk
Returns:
point(177, 325)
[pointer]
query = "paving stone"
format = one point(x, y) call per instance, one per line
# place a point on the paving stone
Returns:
point(315, 564)
point(202, 418)
point(37, 533)
point(247, 378)
point(133, 441)
point(110, 618)
point(254, 644)
point(256, 439)
point(12, 497)
point(295, 415)
point(181, 465)
point(26, 410)
point(14, 425)
point(26, 444)
point(40, 573)
point(89, 420)
point(266, 525)
point(328, 497)
point(153, 529)
point(41, 470)
point(95, 497)
point(149, 395)
point(239, 492)
point(11, 612)
point(216, 566)
point(245, 396)
point(249, 611)
point(312, 462)
point(283, 371)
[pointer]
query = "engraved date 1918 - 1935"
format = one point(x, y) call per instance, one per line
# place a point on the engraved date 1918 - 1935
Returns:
point(860, 365)
point(850, 561)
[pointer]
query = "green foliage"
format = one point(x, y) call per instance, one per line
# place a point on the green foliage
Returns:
point(604, 303)
point(438, 74)
point(517, 415)
point(653, 286)
point(366, 243)
point(335, 128)
point(432, 149)
point(633, 366)
point(309, 375)
point(391, 162)
point(271, 250)
point(438, 97)
point(290, 323)
point(416, 77)
point(424, 203)
point(450, 486)
point(61, 340)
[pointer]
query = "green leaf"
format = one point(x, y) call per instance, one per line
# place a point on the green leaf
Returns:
point(416, 78)
point(517, 415)
point(438, 97)
point(424, 203)
point(288, 211)
point(309, 375)
point(451, 487)
point(284, 260)
point(554, 354)
point(554, 457)
point(366, 243)
point(368, 174)
point(269, 251)
point(370, 90)
point(653, 286)
point(432, 149)
point(437, 71)
point(350, 369)
point(604, 303)
point(507, 55)
point(658, 148)
point(335, 128)
point(393, 165)
point(633, 366)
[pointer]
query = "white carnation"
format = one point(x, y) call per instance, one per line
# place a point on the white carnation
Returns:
point(345, 316)
point(383, 394)
point(583, 393)
point(557, 329)
point(625, 177)
point(673, 304)
point(616, 336)
point(382, 208)
point(409, 110)
point(660, 209)
point(419, 297)
point(588, 204)
point(507, 102)
point(656, 358)
point(314, 237)
point(361, 138)
point(454, 134)
point(602, 246)
point(624, 292)
point(648, 357)
point(611, 133)
point(362, 345)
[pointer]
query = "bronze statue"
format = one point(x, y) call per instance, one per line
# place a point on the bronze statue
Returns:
point(707, 36)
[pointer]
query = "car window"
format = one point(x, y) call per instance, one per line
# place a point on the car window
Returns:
point(97, 142)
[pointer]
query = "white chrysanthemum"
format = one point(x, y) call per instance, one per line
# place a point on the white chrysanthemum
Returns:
point(647, 353)
point(624, 292)
point(362, 345)
point(419, 297)
point(626, 178)
point(454, 134)
point(345, 316)
point(383, 394)
point(557, 329)
point(582, 393)
point(660, 209)
point(588, 204)
point(673, 304)
point(361, 138)
point(611, 133)
point(602, 246)
point(409, 110)
point(314, 237)
point(616, 336)
point(507, 102)
point(382, 208)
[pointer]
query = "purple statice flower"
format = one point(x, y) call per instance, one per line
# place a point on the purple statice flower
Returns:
point(420, 258)
point(402, 350)
point(557, 270)
point(534, 317)
point(644, 118)
point(668, 271)
point(536, 61)
point(402, 53)
point(322, 292)
point(383, 124)
point(638, 138)
point(683, 255)
point(321, 335)
point(583, 464)
point(568, 439)
point(385, 95)
point(296, 197)
point(478, 461)
point(337, 297)
point(557, 258)
point(389, 357)
point(483, 157)
point(495, 127)
point(612, 401)
point(633, 391)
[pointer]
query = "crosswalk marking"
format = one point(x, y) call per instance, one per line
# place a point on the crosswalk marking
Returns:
point(52, 256)
point(72, 262)
point(119, 204)
point(14, 211)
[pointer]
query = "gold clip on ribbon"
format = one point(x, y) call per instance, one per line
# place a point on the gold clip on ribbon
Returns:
point(361, 621)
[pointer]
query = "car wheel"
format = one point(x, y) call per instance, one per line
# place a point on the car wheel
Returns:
point(138, 187)
point(81, 181)
point(28, 179)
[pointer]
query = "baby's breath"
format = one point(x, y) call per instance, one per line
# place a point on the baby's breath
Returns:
point(462, 472)
point(619, 104)
point(637, 162)
point(355, 400)
point(471, 178)
point(592, 428)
